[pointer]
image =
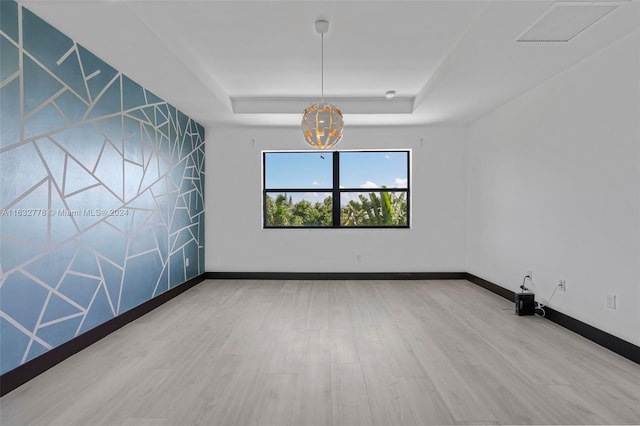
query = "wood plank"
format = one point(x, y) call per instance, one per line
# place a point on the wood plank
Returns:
point(349, 398)
point(387, 402)
point(312, 405)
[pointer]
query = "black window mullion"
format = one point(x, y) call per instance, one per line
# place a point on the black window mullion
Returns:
point(408, 186)
point(336, 189)
point(264, 189)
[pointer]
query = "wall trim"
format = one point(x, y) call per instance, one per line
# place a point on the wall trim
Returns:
point(602, 338)
point(494, 288)
point(609, 341)
point(335, 275)
point(18, 376)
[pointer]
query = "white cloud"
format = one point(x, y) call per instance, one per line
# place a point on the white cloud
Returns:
point(369, 184)
point(315, 183)
point(345, 197)
point(387, 156)
point(400, 183)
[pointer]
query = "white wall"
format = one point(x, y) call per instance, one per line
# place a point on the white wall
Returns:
point(236, 241)
point(554, 187)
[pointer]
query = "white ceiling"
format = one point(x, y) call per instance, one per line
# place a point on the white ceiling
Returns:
point(258, 62)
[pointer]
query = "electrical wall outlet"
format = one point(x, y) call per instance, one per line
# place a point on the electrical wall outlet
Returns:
point(611, 301)
point(186, 262)
point(562, 285)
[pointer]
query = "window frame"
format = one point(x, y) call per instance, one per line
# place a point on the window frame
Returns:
point(335, 190)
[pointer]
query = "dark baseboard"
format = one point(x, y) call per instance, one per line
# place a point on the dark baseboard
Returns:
point(609, 341)
point(335, 275)
point(494, 288)
point(602, 338)
point(27, 371)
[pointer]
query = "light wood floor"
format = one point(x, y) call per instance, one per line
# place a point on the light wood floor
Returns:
point(334, 353)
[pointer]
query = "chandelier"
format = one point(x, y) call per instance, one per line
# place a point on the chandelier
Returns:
point(322, 122)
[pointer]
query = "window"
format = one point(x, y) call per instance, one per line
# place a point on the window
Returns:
point(341, 189)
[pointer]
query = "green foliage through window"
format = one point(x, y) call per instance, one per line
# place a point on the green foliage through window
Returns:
point(282, 211)
point(375, 209)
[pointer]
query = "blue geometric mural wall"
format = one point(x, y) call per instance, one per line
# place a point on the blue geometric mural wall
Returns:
point(101, 192)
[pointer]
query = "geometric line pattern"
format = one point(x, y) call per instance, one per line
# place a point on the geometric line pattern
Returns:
point(101, 190)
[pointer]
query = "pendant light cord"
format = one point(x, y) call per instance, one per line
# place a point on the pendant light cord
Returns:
point(322, 66)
